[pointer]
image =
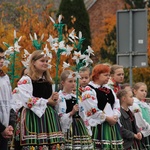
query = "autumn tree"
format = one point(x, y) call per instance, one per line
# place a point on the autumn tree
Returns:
point(27, 21)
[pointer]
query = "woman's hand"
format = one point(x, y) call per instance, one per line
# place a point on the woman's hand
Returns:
point(53, 99)
point(74, 110)
point(111, 120)
point(8, 132)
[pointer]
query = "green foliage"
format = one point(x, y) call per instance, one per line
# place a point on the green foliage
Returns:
point(76, 16)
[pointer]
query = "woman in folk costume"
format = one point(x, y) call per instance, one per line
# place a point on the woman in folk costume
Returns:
point(101, 110)
point(117, 77)
point(141, 110)
point(73, 126)
point(38, 124)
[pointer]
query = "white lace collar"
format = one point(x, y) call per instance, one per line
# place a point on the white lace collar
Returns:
point(66, 95)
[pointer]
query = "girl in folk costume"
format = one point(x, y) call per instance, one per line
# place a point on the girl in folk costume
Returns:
point(117, 77)
point(38, 124)
point(141, 111)
point(101, 110)
point(130, 132)
point(72, 125)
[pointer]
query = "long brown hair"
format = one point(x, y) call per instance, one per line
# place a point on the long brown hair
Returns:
point(32, 70)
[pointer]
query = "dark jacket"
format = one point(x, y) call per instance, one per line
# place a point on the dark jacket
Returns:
point(2, 127)
point(127, 130)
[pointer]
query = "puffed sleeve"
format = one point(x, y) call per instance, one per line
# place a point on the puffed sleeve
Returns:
point(65, 119)
point(116, 106)
point(141, 122)
point(89, 111)
point(22, 97)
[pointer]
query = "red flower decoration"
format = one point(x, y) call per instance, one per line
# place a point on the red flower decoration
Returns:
point(89, 113)
point(29, 105)
point(94, 110)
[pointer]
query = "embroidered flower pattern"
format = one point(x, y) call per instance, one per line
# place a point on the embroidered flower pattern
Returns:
point(86, 122)
point(81, 109)
point(87, 96)
point(91, 112)
point(31, 102)
point(23, 82)
point(136, 110)
point(15, 91)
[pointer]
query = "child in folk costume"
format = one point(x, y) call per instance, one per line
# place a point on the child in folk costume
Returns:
point(38, 124)
point(98, 98)
point(130, 132)
point(117, 77)
point(141, 111)
point(84, 76)
point(72, 125)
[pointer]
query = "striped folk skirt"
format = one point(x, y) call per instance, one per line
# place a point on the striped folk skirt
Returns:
point(107, 137)
point(77, 137)
point(34, 133)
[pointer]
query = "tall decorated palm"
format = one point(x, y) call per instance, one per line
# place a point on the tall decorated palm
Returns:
point(81, 57)
point(11, 58)
point(59, 46)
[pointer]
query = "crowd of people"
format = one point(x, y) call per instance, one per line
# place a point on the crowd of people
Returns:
point(108, 114)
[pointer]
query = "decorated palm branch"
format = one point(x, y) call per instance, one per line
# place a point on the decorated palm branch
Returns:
point(59, 46)
point(82, 59)
point(11, 58)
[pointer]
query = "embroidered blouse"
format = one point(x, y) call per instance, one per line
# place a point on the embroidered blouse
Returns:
point(25, 96)
point(64, 106)
point(94, 99)
point(141, 120)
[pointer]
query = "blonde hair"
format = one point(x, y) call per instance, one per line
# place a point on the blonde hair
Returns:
point(122, 93)
point(85, 69)
point(32, 70)
point(138, 85)
point(64, 75)
point(114, 68)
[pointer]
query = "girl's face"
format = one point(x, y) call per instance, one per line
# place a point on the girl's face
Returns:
point(103, 78)
point(118, 76)
point(141, 92)
point(41, 64)
point(85, 78)
point(129, 98)
point(69, 85)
